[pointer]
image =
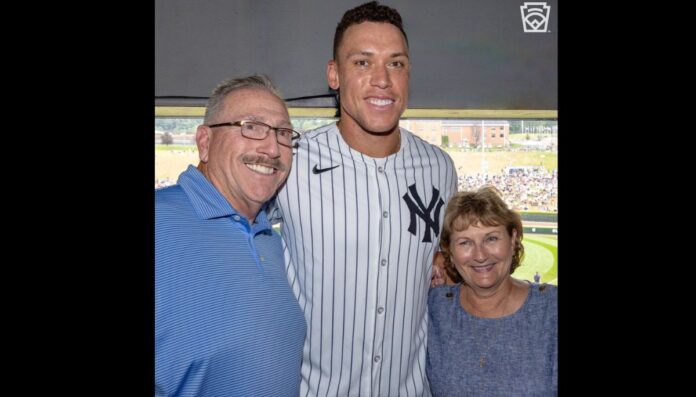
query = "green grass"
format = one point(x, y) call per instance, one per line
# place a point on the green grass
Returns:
point(541, 255)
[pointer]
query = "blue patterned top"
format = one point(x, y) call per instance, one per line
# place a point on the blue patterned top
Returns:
point(226, 320)
point(520, 350)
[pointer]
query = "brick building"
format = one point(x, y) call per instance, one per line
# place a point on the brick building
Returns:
point(461, 133)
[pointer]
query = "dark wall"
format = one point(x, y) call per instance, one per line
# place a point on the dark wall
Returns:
point(465, 54)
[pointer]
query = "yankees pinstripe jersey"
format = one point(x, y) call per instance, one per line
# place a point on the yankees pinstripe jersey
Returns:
point(359, 235)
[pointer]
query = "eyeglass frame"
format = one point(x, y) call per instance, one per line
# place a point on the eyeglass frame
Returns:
point(240, 123)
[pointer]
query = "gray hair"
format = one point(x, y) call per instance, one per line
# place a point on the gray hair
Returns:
point(230, 85)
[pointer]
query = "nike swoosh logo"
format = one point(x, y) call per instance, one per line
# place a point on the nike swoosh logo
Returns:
point(316, 170)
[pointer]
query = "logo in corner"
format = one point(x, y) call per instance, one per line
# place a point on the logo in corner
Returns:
point(317, 170)
point(416, 207)
point(535, 17)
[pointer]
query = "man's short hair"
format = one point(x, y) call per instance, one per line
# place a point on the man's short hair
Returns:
point(368, 12)
point(230, 85)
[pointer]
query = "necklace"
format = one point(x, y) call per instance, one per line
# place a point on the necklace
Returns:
point(483, 353)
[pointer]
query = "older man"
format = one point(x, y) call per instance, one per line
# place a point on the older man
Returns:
point(226, 321)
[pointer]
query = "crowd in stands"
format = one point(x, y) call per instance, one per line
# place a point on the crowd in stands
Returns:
point(523, 190)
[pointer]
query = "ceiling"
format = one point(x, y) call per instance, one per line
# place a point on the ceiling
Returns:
point(465, 54)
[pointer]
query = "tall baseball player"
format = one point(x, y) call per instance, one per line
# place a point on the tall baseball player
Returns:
point(361, 214)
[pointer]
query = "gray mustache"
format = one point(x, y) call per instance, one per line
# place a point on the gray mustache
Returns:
point(262, 160)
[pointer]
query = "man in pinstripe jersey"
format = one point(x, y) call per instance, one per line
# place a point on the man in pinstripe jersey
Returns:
point(361, 213)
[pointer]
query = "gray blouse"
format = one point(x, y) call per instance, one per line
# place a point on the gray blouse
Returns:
point(515, 355)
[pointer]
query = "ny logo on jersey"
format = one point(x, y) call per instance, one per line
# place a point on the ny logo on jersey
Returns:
point(417, 208)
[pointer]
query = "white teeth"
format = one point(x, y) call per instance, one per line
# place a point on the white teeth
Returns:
point(380, 102)
point(260, 168)
point(483, 269)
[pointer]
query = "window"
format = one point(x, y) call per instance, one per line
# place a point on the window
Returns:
point(524, 167)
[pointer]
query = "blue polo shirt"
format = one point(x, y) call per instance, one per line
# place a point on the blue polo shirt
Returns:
point(226, 320)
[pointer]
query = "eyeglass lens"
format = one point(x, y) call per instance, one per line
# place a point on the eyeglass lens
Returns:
point(256, 130)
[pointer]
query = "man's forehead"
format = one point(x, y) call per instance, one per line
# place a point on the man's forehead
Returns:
point(257, 105)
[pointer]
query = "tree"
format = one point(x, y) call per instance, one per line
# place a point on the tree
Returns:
point(302, 124)
point(167, 138)
point(165, 124)
point(476, 136)
point(515, 126)
point(178, 125)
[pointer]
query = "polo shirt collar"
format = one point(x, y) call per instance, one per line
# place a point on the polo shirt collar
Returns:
point(209, 203)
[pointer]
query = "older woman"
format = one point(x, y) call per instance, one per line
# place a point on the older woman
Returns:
point(489, 334)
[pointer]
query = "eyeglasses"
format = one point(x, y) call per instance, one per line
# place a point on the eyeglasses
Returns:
point(258, 130)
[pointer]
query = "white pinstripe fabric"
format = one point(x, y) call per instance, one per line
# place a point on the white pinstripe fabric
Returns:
point(360, 276)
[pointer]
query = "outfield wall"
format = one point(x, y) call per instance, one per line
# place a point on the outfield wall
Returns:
point(540, 216)
point(540, 230)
